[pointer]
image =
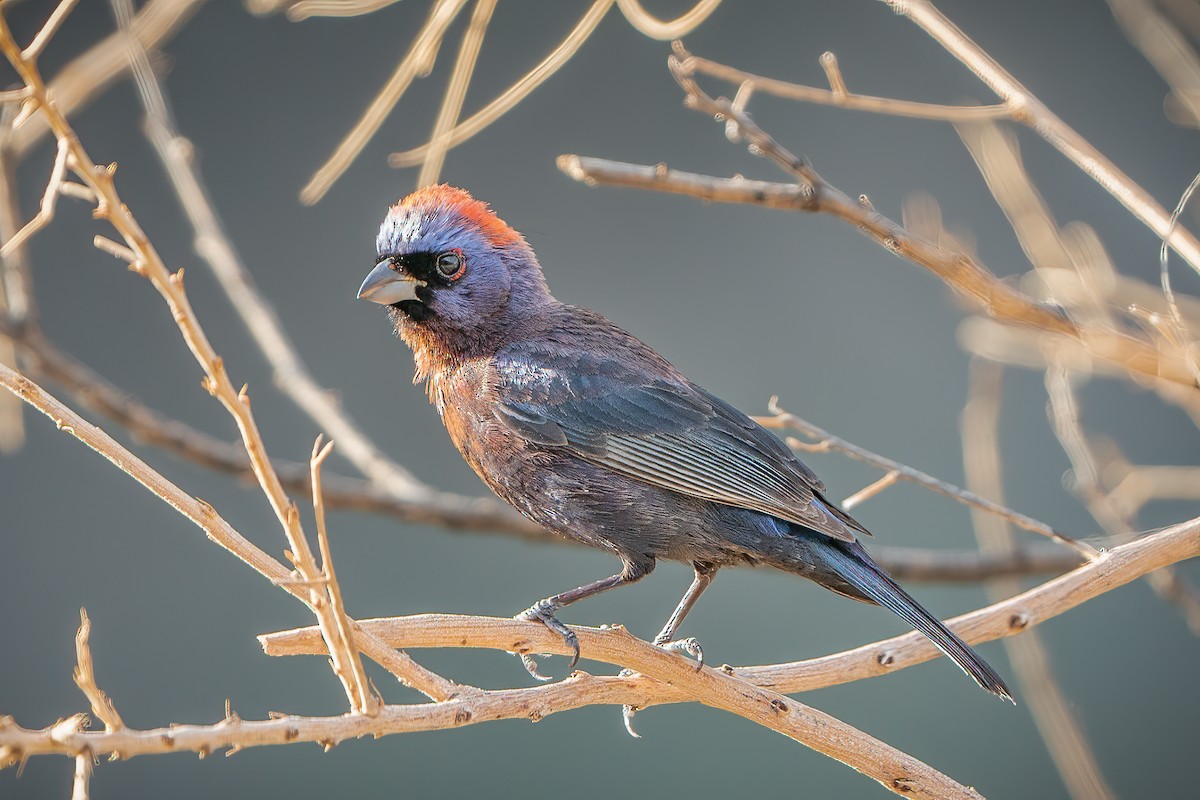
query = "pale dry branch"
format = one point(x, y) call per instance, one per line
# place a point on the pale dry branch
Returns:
point(893, 769)
point(290, 373)
point(1168, 51)
point(342, 647)
point(449, 511)
point(1116, 567)
point(299, 10)
point(811, 193)
point(655, 28)
point(83, 776)
point(90, 73)
point(456, 92)
point(1061, 732)
point(841, 96)
point(57, 17)
point(194, 509)
point(46, 209)
point(85, 678)
point(1029, 110)
point(514, 94)
point(15, 304)
point(418, 60)
point(824, 440)
point(1088, 486)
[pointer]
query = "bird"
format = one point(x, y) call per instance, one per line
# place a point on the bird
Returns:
point(590, 433)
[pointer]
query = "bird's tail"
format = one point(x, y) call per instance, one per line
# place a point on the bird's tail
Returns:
point(851, 562)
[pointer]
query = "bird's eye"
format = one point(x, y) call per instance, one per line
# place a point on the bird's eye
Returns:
point(451, 265)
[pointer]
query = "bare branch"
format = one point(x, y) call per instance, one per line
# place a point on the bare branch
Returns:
point(89, 74)
point(46, 209)
point(649, 25)
point(515, 93)
point(1116, 567)
point(1060, 731)
point(418, 60)
point(85, 678)
point(824, 441)
point(83, 776)
point(43, 37)
point(844, 99)
point(456, 92)
point(291, 374)
point(1029, 110)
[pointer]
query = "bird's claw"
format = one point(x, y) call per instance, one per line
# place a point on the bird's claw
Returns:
point(627, 711)
point(688, 645)
point(543, 611)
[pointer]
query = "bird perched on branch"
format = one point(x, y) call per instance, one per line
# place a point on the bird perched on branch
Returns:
point(590, 433)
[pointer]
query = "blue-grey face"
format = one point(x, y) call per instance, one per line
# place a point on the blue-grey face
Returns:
point(437, 266)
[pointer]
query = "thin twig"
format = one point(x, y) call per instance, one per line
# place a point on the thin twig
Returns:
point(53, 23)
point(365, 701)
point(85, 678)
point(1029, 110)
point(418, 60)
point(846, 99)
point(83, 776)
point(649, 25)
point(1064, 418)
point(450, 511)
point(1060, 731)
point(86, 76)
point(514, 94)
point(456, 92)
point(290, 373)
point(1117, 567)
point(827, 441)
point(46, 208)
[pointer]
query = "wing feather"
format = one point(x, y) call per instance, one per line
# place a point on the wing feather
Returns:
point(668, 433)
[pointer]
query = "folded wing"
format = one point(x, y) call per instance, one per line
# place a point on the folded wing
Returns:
point(665, 432)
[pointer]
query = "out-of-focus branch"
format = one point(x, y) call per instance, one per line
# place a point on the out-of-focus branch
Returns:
point(418, 61)
point(291, 375)
point(456, 92)
point(649, 25)
point(1061, 732)
point(823, 440)
point(840, 96)
point(1088, 486)
point(444, 509)
point(1029, 110)
point(514, 94)
point(89, 74)
point(1168, 51)
point(299, 10)
point(15, 302)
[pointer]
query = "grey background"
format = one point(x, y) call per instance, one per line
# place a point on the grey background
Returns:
point(748, 302)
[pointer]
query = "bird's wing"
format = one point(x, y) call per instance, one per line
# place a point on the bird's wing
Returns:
point(665, 432)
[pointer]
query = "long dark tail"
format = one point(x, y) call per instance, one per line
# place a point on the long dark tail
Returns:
point(851, 562)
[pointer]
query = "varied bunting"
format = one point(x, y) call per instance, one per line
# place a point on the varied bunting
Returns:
point(590, 433)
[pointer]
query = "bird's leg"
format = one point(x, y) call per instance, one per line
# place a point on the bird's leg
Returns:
point(705, 573)
point(544, 610)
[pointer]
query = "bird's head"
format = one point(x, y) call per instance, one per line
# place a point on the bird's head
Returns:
point(454, 275)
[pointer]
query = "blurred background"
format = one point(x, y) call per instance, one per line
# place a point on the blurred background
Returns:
point(748, 302)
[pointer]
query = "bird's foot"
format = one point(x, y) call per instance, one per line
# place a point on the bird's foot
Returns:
point(543, 611)
point(688, 645)
point(628, 711)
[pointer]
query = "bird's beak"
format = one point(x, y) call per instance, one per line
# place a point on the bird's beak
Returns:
point(387, 286)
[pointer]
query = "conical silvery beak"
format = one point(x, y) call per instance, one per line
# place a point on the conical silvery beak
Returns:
point(386, 286)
